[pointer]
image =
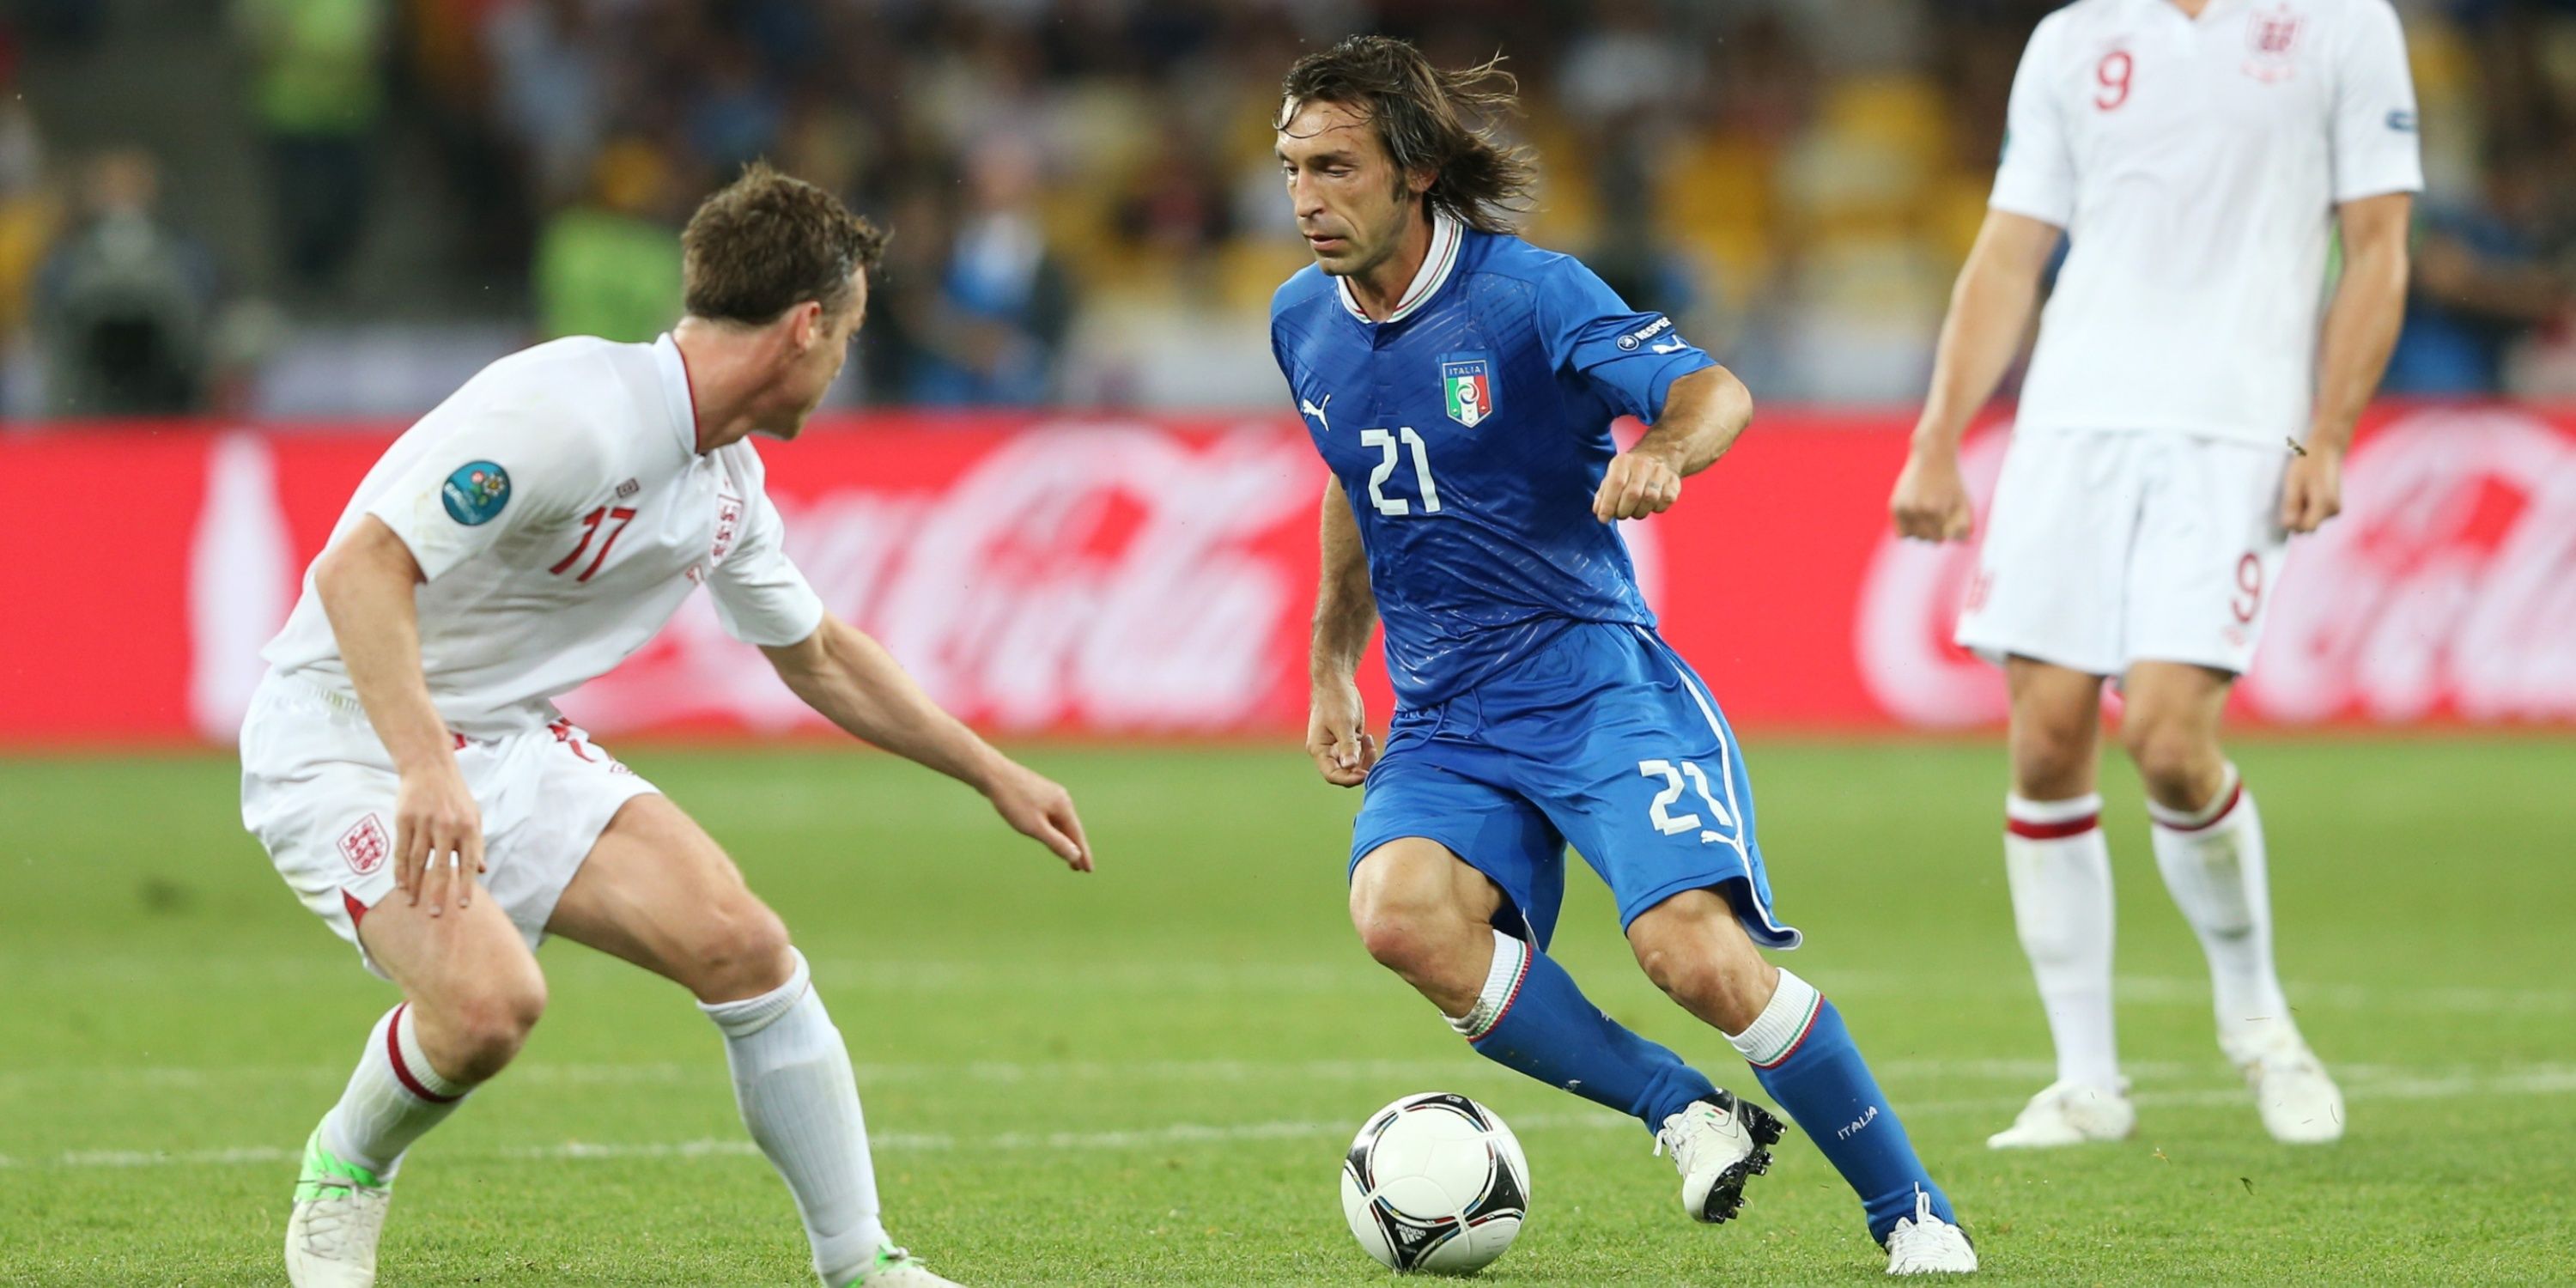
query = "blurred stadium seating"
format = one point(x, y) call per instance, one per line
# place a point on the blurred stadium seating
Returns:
point(346, 205)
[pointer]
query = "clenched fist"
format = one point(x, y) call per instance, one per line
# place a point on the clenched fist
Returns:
point(2312, 489)
point(1638, 484)
point(1931, 500)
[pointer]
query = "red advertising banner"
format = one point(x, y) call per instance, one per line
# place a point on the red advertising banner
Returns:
point(1104, 577)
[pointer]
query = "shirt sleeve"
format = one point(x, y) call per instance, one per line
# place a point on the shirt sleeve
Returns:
point(2037, 175)
point(761, 596)
point(502, 472)
point(2375, 148)
point(1631, 358)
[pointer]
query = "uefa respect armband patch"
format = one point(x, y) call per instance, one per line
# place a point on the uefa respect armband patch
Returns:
point(475, 493)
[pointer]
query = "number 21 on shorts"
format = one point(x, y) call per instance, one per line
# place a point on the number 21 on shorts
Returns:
point(1713, 828)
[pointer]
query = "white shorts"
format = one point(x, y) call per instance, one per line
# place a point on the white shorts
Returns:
point(2107, 548)
point(318, 791)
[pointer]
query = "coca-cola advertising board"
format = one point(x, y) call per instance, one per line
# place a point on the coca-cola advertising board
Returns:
point(1098, 576)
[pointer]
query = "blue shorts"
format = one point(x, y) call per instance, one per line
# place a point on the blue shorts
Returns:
point(1602, 737)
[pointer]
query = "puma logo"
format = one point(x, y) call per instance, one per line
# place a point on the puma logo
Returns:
point(1316, 410)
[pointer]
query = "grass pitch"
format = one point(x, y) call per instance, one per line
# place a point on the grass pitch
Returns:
point(1148, 1076)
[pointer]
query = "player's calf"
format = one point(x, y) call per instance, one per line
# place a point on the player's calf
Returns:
point(1798, 1047)
point(474, 993)
point(1703, 961)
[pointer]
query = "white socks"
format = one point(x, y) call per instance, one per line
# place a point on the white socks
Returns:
point(392, 1098)
point(1783, 1024)
point(2212, 861)
point(1502, 984)
point(2059, 869)
point(792, 1080)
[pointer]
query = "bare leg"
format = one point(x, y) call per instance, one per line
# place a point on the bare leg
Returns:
point(657, 891)
point(2209, 845)
point(2059, 868)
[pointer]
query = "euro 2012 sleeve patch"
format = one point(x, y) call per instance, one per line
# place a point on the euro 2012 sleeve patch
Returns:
point(476, 492)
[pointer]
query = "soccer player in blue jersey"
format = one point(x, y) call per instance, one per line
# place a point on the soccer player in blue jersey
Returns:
point(1460, 383)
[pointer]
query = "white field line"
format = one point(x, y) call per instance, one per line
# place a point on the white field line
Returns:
point(711, 1073)
point(1165, 980)
point(2546, 1080)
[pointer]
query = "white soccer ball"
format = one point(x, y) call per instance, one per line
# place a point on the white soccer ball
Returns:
point(1435, 1183)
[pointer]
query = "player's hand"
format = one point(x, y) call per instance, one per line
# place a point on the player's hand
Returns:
point(2312, 489)
point(1042, 810)
point(1638, 484)
point(1931, 500)
point(438, 837)
point(1337, 735)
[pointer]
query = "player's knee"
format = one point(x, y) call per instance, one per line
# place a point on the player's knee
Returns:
point(2052, 756)
point(1708, 984)
point(1695, 951)
point(1686, 977)
point(1409, 941)
point(1423, 940)
point(486, 1029)
point(738, 951)
point(2176, 762)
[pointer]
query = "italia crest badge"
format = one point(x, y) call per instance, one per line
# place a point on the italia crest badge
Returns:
point(1467, 386)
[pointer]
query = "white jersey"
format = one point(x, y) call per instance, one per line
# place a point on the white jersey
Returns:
point(2196, 165)
point(561, 512)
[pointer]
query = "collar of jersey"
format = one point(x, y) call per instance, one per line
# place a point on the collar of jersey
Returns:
point(678, 395)
point(1446, 236)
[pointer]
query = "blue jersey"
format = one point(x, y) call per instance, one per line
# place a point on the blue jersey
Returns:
point(1471, 430)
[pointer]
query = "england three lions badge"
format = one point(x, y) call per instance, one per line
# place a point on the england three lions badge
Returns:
point(1467, 387)
point(2271, 43)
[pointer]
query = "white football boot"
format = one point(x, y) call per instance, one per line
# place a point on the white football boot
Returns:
point(1924, 1244)
point(895, 1268)
point(339, 1213)
point(1719, 1143)
point(2070, 1113)
point(2300, 1104)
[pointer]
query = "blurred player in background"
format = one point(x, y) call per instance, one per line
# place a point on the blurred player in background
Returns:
point(1460, 384)
point(524, 537)
point(2180, 420)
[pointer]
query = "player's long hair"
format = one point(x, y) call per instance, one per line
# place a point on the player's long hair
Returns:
point(1428, 119)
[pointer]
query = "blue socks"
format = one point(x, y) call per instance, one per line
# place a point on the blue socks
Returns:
point(1805, 1058)
point(1531, 1018)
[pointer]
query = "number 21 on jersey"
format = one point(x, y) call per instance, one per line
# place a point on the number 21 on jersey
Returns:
point(1389, 443)
point(1714, 828)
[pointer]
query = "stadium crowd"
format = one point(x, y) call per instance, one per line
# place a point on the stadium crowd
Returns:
point(1084, 205)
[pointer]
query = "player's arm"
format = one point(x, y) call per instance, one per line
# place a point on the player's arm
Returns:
point(1704, 413)
point(1990, 311)
point(856, 684)
point(366, 582)
point(1337, 733)
point(2361, 329)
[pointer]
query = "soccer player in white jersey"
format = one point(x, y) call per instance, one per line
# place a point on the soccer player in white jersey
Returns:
point(2183, 415)
point(406, 768)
